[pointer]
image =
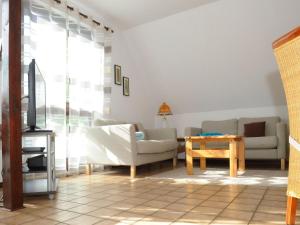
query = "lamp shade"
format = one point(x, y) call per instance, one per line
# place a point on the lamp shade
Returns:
point(164, 110)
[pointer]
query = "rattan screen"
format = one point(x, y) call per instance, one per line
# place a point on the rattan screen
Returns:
point(288, 59)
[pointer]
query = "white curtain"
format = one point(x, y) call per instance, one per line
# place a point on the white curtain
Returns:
point(74, 56)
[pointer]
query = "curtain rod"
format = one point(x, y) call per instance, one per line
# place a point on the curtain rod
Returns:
point(86, 17)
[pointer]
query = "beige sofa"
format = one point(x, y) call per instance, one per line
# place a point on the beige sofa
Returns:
point(117, 145)
point(271, 146)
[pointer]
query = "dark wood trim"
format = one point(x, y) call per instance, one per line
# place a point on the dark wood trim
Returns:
point(11, 105)
point(286, 38)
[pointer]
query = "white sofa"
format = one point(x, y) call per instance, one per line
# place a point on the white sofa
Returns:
point(117, 145)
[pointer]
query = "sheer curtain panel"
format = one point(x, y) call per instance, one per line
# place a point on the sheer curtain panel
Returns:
point(73, 53)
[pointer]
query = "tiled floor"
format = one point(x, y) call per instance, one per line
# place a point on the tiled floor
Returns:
point(116, 199)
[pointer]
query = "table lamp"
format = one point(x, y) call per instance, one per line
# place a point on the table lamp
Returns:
point(164, 110)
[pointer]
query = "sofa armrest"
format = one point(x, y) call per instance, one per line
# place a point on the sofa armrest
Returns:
point(282, 140)
point(109, 145)
point(161, 134)
point(192, 131)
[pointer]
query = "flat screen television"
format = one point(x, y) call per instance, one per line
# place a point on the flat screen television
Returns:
point(36, 111)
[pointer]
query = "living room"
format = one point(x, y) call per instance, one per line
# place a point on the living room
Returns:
point(130, 94)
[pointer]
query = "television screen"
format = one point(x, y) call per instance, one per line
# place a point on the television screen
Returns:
point(36, 113)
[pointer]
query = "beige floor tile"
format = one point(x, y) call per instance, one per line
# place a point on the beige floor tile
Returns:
point(272, 203)
point(44, 211)
point(236, 214)
point(83, 209)
point(242, 207)
point(110, 222)
point(212, 187)
point(254, 191)
point(86, 220)
point(251, 196)
point(195, 217)
point(144, 210)
point(42, 222)
point(136, 200)
point(5, 213)
point(178, 194)
point(206, 192)
point(183, 223)
point(100, 203)
point(168, 215)
point(207, 210)
point(128, 216)
point(275, 197)
point(221, 198)
point(105, 213)
point(83, 200)
point(227, 193)
point(246, 201)
point(65, 205)
point(216, 204)
point(189, 201)
point(148, 196)
point(18, 219)
point(167, 198)
point(63, 216)
point(122, 206)
point(270, 209)
point(97, 195)
point(179, 207)
point(233, 188)
point(199, 196)
point(156, 204)
point(269, 218)
point(116, 198)
point(229, 221)
point(153, 221)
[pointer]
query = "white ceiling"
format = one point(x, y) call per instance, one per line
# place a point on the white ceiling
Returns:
point(130, 13)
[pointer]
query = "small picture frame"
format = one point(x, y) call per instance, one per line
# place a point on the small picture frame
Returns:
point(126, 89)
point(118, 75)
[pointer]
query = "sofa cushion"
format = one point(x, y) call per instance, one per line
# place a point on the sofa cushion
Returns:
point(267, 142)
point(224, 126)
point(140, 136)
point(270, 124)
point(257, 129)
point(156, 146)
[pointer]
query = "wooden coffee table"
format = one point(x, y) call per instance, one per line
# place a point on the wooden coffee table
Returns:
point(235, 153)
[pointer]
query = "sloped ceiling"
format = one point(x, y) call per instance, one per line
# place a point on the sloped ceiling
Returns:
point(129, 13)
point(215, 57)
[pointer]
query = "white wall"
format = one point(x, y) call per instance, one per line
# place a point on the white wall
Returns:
point(215, 61)
point(137, 106)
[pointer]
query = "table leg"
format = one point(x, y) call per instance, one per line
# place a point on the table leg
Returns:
point(189, 157)
point(233, 158)
point(202, 159)
point(291, 210)
point(241, 155)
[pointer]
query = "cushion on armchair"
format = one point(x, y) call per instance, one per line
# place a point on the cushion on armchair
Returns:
point(256, 129)
point(224, 126)
point(156, 146)
point(267, 142)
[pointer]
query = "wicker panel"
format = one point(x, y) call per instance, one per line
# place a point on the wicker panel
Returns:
point(288, 59)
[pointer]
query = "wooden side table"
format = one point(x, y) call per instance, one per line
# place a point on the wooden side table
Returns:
point(235, 153)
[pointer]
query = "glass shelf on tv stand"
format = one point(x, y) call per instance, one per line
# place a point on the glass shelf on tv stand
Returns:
point(47, 185)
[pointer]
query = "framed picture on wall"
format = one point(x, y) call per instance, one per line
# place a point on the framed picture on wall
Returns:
point(126, 90)
point(118, 79)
